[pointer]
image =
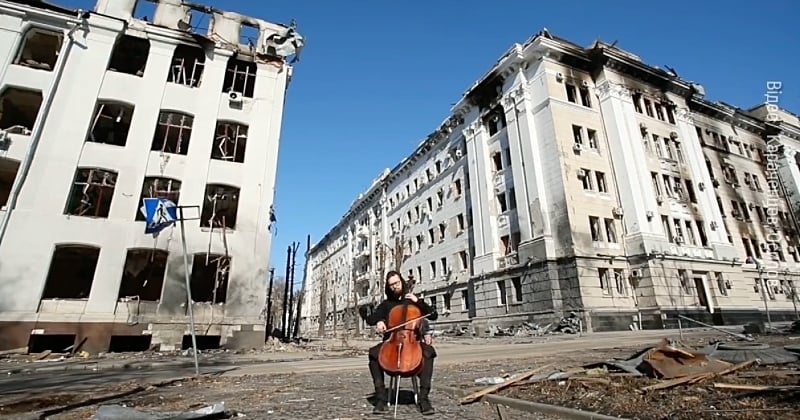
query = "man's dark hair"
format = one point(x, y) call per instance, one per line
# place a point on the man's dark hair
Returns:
point(388, 290)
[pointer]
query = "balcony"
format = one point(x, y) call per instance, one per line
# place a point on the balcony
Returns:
point(508, 260)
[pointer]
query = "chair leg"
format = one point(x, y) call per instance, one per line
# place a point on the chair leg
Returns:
point(415, 384)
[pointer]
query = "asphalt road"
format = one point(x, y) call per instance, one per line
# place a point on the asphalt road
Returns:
point(449, 353)
point(452, 352)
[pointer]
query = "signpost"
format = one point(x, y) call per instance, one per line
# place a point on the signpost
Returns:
point(160, 214)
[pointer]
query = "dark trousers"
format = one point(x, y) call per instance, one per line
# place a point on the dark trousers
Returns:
point(377, 372)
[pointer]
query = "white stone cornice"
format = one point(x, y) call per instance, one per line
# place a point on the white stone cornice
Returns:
point(684, 115)
point(473, 128)
point(610, 89)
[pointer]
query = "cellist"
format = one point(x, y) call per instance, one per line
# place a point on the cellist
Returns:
point(396, 292)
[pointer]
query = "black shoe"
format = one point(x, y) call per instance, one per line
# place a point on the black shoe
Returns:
point(381, 399)
point(425, 406)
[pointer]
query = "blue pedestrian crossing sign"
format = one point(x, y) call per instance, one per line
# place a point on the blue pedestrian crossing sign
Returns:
point(159, 214)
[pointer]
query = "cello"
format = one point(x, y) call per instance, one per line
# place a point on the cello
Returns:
point(401, 354)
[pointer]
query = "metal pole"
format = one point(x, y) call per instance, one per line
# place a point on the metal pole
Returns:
point(286, 291)
point(764, 295)
point(269, 302)
point(289, 320)
point(740, 336)
point(188, 291)
point(303, 287)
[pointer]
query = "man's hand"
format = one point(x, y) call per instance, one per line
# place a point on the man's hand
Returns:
point(428, 339)
point(381, 327)
point(412, 297)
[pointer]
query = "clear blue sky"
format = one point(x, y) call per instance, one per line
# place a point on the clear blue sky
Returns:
point(378, 76)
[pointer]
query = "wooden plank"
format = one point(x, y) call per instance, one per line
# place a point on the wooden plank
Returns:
point(477, 395)
point(745, 387)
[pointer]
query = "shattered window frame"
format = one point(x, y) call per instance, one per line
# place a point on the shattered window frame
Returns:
point(17, 114)
point(111, 124)
point(227, 196)
point(50, 60)
point(187, 57)
point(230, 141)
point(129, 52)
point(238, 75)
point(173, 127)
point(91, 186)
point(150, 189)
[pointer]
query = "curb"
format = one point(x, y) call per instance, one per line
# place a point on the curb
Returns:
point(532, 407)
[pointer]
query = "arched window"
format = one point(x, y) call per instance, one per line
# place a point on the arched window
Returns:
point(220, 206)
point(229, 142)
point(158, 187)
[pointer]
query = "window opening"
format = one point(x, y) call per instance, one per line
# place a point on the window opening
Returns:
point(173, 132)
point(71, 272)
point(230, 141)
point(240, 76)
point(19, 109)
point(92, 191)
point(40, 49)
point(130, 55)
point(188, 63)
point(111, 124)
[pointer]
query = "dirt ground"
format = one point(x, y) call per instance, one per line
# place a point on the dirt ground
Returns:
point(620, 395)
point(277, 395)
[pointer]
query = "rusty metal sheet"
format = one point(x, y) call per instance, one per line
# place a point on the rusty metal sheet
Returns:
point(667, 362)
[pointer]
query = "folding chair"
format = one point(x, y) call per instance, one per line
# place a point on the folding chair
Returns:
point(394, 389)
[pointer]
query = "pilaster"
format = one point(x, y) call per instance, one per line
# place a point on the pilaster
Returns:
point(630, 164)
point(478, 155)
point(706, 198)
point(514, 104)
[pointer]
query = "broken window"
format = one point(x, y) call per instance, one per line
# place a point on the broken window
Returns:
point(240, 76)
point(71, 272)
point(187, 67)
point(111, 123)
point(8, 174)
point(143, 274)
point(229, 143)
point(130, 55)
point(91, 194)
point(19, 109)
point(39, 49)
point(158, 187)
point(173, 132)
point(220, 206)
point(209, 278)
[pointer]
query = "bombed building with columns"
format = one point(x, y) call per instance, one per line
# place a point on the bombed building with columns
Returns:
point(574, 181)
point(103, 108)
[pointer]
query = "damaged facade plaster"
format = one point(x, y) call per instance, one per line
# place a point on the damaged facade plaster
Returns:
point(593, 183)
point(114, 109)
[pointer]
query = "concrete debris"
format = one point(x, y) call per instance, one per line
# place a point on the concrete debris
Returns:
point(113, 412)
point(742, 352)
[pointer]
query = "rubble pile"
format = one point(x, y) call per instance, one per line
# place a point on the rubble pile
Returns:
point(668, 378)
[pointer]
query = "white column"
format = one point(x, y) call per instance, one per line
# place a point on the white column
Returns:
point(630, 161)
point(515, 107)
point(704, 189)
point(480, 196)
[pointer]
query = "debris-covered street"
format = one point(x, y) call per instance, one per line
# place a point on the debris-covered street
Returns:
point(642, 375)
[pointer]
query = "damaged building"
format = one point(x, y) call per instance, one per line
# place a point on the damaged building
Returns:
point(101, 109)
point(579, 182)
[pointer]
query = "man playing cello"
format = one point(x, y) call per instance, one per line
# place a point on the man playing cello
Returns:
point(396, 292)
